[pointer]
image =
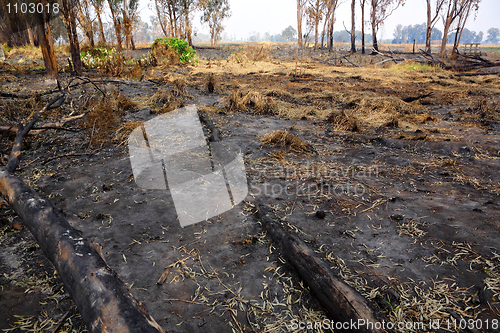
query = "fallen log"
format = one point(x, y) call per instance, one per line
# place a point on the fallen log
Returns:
point(342, 303)
point(104, 301)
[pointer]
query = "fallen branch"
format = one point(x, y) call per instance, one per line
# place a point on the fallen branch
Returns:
point(392, 59)
point(474, 58)
point(10, 95)
point(431, 58)
point(342, 303)
point(39, 130)
point(23, 131)
point(104, 301)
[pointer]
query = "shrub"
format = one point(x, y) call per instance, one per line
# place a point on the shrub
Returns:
point(185, 52)
point(101, 58)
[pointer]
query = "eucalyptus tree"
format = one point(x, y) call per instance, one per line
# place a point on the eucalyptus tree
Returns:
point(213, 13)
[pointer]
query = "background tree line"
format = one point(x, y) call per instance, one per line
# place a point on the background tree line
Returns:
point(453, 13)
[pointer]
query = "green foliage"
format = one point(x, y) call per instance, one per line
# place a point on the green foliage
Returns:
point(410, 65)
point(100, 57)
point(186, 53)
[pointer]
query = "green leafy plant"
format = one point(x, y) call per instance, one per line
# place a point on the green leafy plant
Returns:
point(100, 57)
point(186, 53)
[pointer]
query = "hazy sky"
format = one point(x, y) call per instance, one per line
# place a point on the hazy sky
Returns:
point(274, 16)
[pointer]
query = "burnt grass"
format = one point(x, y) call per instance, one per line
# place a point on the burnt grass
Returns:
point(403, 206)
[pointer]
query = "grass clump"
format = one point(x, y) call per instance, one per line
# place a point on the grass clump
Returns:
point(252, 100)
point(106, 115)
point(183, 52)
point(284, 139)
point(342, 121)
point(164, 101)
point(122, 133)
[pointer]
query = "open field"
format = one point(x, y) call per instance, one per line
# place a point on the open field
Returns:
point(388, 172)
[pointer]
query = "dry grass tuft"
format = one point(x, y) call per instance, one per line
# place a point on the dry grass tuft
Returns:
point(123, 102)
point(162, 55)
point(105, 115)
point(487, 109)
point(122, 133)
point(210, 83)
point(250, 53)
point(180, 84)
point(164, 101)
point(284, 139)
point(251, 100)
point(135, 72)
point(234, 101)
point(238, 57)
point(160, 98)
point(103, 120)
point(257, 53)
point(259, 103)
point(343, 122)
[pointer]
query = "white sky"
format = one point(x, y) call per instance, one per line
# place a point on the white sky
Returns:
point(274, 16)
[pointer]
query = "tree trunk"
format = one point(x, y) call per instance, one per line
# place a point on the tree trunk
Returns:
point(102, 38)
point(445, 36)
point(118, 29)
point(299, 22)
point(30, 36)
point(74, 46)
point(316, 24)
point(342, 303)
point(127, 26)
point(330, 31)
point(47, 46)
point(375, 43)
point(104, 301)
point(188, 26)
point(353, 27)
point(132, 44)
point(429, 28)
point(362, 26)
point(90, 38)
point(373, 18)
point(323, 33)
point(160, 20)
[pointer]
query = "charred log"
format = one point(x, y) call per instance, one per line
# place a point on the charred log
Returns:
point(104, 301)
point(342, 303)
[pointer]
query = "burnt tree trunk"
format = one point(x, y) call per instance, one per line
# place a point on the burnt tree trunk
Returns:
point(118, 29)
point(353, 27)
point(104, 301)
point(363, 26)
point(342, 303)
point(74, 45)
point(47, 46)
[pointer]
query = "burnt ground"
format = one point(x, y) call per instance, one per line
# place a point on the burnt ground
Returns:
point(403, 206)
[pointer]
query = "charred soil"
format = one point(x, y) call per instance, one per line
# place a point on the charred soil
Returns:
point(400, 198)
